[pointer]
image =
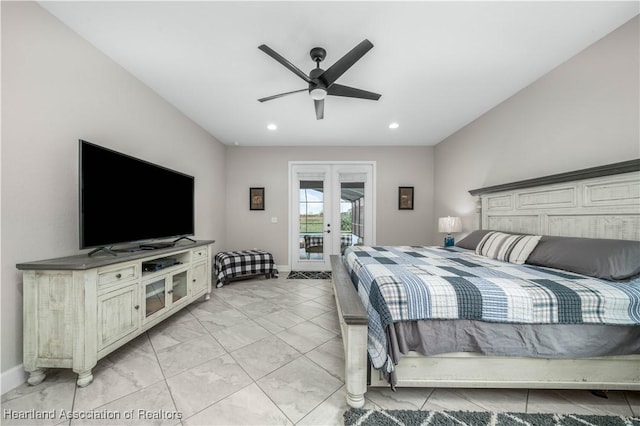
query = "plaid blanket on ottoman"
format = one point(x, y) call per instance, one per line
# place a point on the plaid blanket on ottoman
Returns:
point(233, 264)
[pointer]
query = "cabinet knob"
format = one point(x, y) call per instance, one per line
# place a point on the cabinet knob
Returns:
point(136, 307)
point(118, 276)
point(170, 291)
point(194, 280)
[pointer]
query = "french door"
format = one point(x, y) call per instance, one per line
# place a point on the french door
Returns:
point(332, 207)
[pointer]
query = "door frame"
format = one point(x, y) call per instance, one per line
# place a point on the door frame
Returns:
point(371, 239)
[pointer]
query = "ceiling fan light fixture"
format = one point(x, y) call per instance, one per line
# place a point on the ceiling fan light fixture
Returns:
point(318, 93)
point(319, 81)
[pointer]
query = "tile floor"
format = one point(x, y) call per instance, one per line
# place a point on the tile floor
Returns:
point(259, 352)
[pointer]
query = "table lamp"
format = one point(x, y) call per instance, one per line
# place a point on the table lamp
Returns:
point(449, 224)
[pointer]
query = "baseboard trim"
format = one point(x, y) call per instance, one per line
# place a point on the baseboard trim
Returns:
point(283, 269)
point(12, 378)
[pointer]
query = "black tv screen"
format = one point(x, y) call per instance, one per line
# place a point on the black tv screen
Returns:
point(124, 199)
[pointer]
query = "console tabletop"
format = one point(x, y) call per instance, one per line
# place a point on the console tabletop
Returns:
point(82, 262)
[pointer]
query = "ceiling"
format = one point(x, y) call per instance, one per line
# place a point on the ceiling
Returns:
point(438, 65)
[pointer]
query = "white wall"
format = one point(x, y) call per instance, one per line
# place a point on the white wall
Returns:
point(57, 88)
point(268, 167)
point(584, 113)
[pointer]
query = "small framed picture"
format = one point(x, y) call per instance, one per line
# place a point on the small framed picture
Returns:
point(256, 198)
point(405, 198)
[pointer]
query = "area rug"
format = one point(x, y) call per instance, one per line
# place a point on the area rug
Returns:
point(361, 417)
point(309, 275)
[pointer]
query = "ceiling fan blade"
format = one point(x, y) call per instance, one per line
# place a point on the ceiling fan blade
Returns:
point(275, 55)
point(351, 92)
point(268, 98)
point(344, 63)
point(319, 104)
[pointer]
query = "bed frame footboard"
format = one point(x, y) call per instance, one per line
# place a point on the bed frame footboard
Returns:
point(354, 327)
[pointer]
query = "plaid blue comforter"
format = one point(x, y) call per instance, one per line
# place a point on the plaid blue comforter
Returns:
point(403, 283)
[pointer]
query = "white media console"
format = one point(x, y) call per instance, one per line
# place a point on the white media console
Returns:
point(79, 309)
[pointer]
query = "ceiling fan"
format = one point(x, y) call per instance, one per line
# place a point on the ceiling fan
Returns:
point(321, 82)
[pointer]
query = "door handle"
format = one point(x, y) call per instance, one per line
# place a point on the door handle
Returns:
point(328, 231)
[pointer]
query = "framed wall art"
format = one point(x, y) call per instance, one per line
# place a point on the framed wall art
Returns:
point(256, 198)
point(405, 198)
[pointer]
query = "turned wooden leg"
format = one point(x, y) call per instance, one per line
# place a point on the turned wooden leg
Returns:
point(355, 364)
point(36, 376)
point(355, 400)
point(207, 296)
point(84, 378)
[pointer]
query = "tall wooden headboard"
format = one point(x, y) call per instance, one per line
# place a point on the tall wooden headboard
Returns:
point(600, 202)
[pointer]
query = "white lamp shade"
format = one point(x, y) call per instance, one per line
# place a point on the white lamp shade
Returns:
point(449, 224)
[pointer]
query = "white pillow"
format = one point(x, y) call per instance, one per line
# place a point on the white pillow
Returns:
point(507, 247)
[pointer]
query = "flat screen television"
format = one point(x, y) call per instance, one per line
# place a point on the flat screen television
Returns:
point(126, 200)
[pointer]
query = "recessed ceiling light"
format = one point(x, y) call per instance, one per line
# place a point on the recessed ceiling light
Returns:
point(394, 125)
point(272, 126)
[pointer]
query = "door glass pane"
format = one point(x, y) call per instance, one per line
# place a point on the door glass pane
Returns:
point(154, 296)
point(351, 214)
point(179, 288)
point(311, 211)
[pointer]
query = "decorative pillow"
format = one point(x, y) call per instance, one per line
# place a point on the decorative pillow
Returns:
point(471, 241)
point(507, 247)
point(607, 259)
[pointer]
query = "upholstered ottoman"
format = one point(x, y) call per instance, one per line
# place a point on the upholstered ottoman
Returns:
point(229, 265)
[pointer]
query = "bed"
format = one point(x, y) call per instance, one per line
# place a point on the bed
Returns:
point(588, 214)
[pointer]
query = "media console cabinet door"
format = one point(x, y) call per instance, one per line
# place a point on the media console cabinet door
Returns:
point(199, 278)
point(118, 314)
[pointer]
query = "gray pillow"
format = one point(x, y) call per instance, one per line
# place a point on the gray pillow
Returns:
point(617, 260)
point(472, 240)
